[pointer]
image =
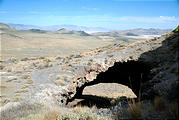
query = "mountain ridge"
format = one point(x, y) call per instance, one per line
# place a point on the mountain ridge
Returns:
point(78, 28)
point(57, 27)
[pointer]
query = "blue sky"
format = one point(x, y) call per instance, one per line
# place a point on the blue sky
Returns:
point(115, 14)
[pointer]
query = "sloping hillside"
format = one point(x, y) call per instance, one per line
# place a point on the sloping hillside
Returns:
point(5, 27)
point(149, 68)
point(36, 42)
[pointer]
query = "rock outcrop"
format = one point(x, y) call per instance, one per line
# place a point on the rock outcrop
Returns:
point(154, 59)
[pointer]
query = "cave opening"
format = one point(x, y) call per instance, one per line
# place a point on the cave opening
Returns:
point(131, 73)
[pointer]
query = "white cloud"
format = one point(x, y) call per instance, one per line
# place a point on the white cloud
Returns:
point(160, 19)
point(111, 19)
point(106, 18)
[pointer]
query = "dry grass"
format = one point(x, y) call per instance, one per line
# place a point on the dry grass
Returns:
point(29, 111)
point(16, 111)
point(51, 115)
point(161, 107)
point(61, 76)
point(43, 115)
point(92, 52)
point(77, 113)
point(2, 88)
point(135, 109)
point(80, 109)
point(37, 44)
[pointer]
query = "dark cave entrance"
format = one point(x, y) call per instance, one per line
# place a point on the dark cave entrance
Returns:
point(131, 73)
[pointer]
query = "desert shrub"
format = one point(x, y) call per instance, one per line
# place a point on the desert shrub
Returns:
point(60, 82)
point(47, 60)
point(16, 99)
point(67, 62)
point(78, 56)
point(71, 65)
point(91, 60)
point(100, 51)
point(25, 86)
point(109, 47)
point(121, 45)
point(25, 76)
point(131, 57)
point(29, 81)
point(70, 57)
point(89, 63)
point(65, 68)
point(77, 60)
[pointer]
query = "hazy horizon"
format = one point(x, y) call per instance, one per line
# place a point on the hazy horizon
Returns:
point(42, 27)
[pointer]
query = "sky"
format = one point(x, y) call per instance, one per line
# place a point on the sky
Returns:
point(113, 14)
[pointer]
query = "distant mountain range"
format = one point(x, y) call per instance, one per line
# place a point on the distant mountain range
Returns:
point(57, 27)
point(103, 31)
point(85, 31)
point(7, 28)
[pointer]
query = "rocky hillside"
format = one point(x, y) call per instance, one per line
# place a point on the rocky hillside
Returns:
point(149, 68)
point(155, 58)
